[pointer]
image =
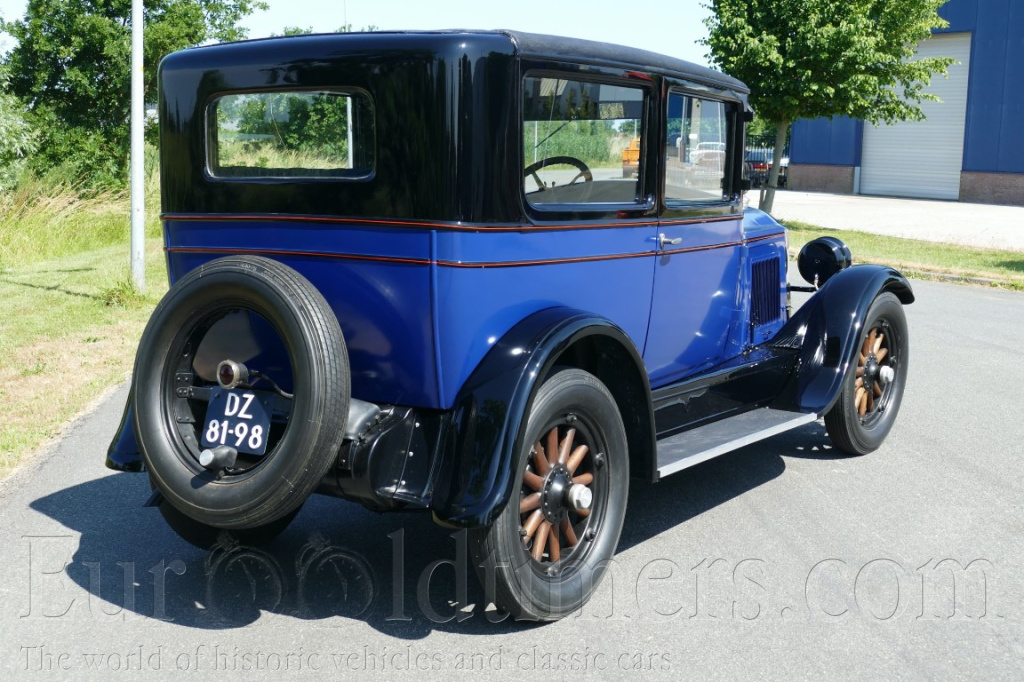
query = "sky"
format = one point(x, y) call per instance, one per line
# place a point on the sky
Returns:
point(671, 27)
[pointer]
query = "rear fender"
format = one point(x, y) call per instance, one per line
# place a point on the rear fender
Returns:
point(476, 473)
point(827, 329)
point(123, 453)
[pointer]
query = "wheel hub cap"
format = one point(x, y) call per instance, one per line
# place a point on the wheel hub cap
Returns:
point(555, 496)
point(875, 371)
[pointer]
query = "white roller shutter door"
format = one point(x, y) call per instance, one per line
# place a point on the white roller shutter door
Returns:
point(923, 158)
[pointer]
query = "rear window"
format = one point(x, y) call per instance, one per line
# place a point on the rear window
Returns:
point(292, 135)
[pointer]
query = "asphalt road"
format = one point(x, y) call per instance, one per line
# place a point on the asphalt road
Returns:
point(778, 561)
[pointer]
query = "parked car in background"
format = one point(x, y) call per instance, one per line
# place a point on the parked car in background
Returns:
point(708, 153)
point(406, 272)
point(758, 163)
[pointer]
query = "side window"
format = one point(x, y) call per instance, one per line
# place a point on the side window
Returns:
point(291, 135)
point(582, 141)
point(695, 150)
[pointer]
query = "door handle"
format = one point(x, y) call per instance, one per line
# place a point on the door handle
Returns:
point(664, 241)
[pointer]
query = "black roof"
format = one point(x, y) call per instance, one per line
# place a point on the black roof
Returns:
point(561, 47)
point(579, 50)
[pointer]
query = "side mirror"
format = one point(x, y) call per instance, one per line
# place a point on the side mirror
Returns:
point(822, 258)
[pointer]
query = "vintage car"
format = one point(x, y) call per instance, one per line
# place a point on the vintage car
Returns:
point(408, 271)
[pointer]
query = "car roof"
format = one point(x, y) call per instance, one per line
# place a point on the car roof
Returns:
point(536, 45)
point(591, 51)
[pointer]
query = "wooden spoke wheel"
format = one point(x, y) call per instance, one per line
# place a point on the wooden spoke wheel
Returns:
point(875, 373)
point(873, 387)
point(558, 492)
point(547, 551)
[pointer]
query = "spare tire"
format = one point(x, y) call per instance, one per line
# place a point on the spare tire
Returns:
point(170, 397)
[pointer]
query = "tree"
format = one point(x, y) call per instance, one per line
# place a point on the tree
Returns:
point(71, 67)
point(814, 58)
point(18, 138)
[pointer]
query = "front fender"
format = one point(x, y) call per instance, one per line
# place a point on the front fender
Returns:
point(488, 420)
point(827, 329)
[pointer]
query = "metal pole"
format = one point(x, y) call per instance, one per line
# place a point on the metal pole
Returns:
point(138, 238)
point(348, 124)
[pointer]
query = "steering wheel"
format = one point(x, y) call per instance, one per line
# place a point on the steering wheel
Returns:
point(584, 170)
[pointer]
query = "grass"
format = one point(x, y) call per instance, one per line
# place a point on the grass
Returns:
point(926, 260)
point(123, 293)
point(43, 219)
point(268, 155)
point(71, 319)
point(70, 331)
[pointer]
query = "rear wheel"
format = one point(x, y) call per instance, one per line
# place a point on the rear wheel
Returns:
point(873, 387)
point(547, 551)
point(204, 536)
point(243, 308)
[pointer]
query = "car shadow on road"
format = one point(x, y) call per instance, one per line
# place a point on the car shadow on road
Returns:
point(339, 564)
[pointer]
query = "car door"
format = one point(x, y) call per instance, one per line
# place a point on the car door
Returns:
point(696, 309)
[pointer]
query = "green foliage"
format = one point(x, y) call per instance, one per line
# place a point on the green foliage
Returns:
point(298, 122)
point(294, 130)
point(760, 127)
point(53, 216)
point(71, 66)
point(122, 293)
point(18, 138)
point(588, 141)
point(811, 58)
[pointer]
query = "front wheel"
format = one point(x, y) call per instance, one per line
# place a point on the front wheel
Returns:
point(873, 387)
point(546, 553)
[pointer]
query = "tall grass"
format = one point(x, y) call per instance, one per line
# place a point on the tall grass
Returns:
point(260, 154)
point(596, 143)
point(52, 217)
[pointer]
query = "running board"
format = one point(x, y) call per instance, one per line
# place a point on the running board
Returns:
point(701, 444)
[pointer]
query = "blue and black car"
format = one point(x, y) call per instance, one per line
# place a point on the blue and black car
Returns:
point(408, 271)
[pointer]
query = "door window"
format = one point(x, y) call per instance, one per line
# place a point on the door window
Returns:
point(695, 150)
point(583, 142)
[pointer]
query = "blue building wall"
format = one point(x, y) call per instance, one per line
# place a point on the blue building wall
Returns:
point(995, 96)
point(994, 135)
point(823, 142)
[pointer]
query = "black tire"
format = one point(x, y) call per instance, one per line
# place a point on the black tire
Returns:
point(273, 486)
point(576, 407)
point(867, 406)
point(206, 537)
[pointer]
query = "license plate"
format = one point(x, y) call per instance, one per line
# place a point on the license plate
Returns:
point(239, 418)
